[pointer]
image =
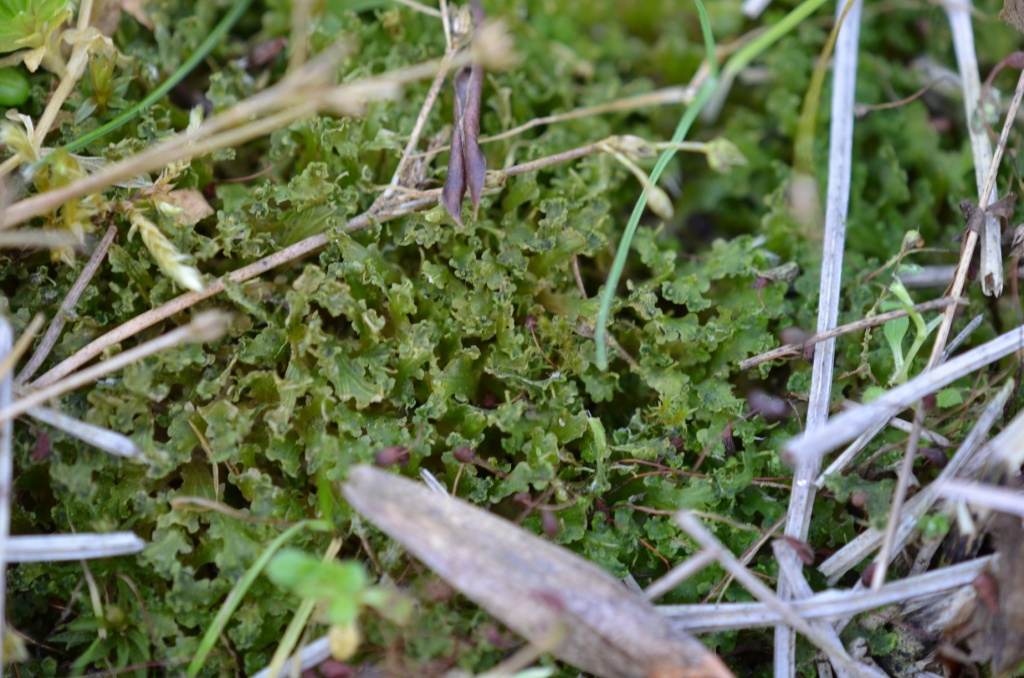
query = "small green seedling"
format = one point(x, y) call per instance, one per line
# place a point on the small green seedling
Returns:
point(896, 330)
point(344, 589)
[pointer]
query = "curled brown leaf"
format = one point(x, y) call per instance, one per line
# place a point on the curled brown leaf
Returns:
point(467, 167)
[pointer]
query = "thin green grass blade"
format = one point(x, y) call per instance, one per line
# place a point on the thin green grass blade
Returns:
point(742, 58)
point(237, 593)
point(803, 155)
point(215, 37)
point(707, 88)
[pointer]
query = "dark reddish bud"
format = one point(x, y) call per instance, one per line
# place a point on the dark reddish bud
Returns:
point(549, 599)
point(332, 668)
point(530, 322)
point(438, 591)
point(522, 498)
point(859, 499)
point(265, 52)
point(868, 574)
point(489, 401)
point(42, 447)
point(771, 407)
point(928, 401)
point(935, 456)
point(728, 442)
point(549, 523)
point(793, 335)
point(809, 352)
point(677, 443)
point(464, 454)
point(500, 640)
point(987, 588)
point(803, 550)
point(391, 456)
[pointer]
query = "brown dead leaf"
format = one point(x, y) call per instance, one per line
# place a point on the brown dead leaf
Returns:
point(467, 167)
point(192, 204)
point(538, 589)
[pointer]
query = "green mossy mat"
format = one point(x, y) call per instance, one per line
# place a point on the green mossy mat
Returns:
point(423, 334)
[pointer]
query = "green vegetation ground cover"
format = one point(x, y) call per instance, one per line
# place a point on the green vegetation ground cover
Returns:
point(424, 334)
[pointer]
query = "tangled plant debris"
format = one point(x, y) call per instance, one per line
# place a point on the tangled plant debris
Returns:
point(370, 323)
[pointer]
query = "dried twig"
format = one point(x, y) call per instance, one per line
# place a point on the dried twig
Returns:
point(837, 201)
point(994, 497)
point(831, 605)
point(101, 438)
point(846, 426)
point(903, 481)
point(991, 274)
point(58, 547)
point(785, 610)
point(792, 350)
point(206, 326)
point(67, 306)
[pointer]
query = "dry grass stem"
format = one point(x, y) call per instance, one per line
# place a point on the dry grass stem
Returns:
point(971, 237)
point(305, 658)
point(276, 105)
point(993, 497)
point(206, 326)
point(991, 273)
point(840, 162)
point(846, 426)
point(39, 239)
point(298, 41)
point(67, 307)
point(398, 179)
point(961, 337)
point(857, 550)
point(21, 345)
point(899, 496)
point(72, 73)
point(906, 426)
point(679, 574)
point(785, 610)
point(100, 438)
point(661, 97)
point(846, 457)
point(794, 350)
point(791, 570)
point(993, 288)
point(202, 504)
point(831, 605)
point(58, 547)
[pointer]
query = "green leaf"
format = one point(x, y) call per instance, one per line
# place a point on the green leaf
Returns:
point(949, 397)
